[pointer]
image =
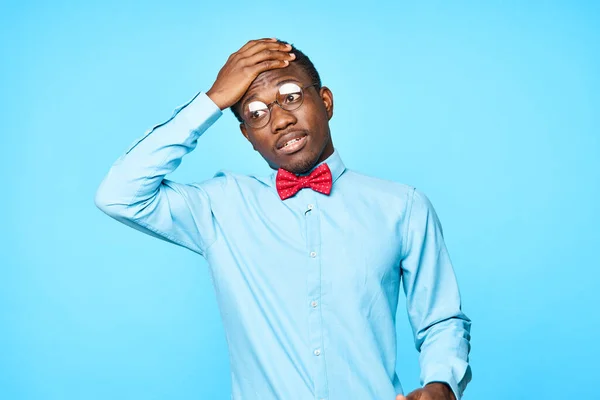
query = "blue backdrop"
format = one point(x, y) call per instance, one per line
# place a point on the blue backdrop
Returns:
point(490, 108)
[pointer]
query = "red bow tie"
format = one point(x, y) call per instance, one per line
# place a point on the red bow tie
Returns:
point(288, 184)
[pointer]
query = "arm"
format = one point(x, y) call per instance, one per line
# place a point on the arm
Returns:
point(135, 191)
point(440, 328)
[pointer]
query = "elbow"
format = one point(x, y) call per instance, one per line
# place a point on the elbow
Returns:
point(118, 205)
point(108, 203)
point(100, 199)
point(103, 201)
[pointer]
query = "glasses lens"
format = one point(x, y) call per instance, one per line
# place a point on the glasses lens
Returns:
point(289, 96)
point(256, 113)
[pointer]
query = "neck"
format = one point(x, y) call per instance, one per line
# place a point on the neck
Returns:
point(325, 154)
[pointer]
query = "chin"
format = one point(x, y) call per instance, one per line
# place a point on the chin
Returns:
point(302, 164)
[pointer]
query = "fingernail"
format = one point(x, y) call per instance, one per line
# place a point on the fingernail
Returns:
point(292, 55)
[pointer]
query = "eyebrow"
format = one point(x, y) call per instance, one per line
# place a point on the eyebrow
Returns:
point(278, 84)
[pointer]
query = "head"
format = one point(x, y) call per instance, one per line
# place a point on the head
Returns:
point(309, 123)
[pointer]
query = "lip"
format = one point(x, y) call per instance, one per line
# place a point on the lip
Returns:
point(294, 147)
point(289, 136)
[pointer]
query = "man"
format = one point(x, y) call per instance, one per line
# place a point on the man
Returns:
point(306, 262)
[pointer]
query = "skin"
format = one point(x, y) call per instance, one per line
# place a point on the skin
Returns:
point(431, 391)
point(256, 70)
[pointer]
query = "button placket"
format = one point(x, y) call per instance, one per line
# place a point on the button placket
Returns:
point(315, 328)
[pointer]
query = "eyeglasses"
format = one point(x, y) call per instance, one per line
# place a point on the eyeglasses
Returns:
point(289, 97)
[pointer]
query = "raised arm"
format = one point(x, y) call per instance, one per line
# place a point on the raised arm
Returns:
point(440, 328)
point(135, 191)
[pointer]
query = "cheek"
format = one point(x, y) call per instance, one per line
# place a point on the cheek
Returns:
point(261, 142)
point(313, 118)
point(319, 125)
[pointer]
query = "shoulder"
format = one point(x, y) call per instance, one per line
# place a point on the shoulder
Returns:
point(376, 184)
point(225, 181)
point(408, 195)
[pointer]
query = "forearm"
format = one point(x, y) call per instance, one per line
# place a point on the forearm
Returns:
point(444, 355)
point(441, 329)
point(137, 175)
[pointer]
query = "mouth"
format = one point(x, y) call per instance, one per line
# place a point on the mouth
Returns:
point(292, 143)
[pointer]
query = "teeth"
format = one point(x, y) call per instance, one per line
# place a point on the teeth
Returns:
point(290, 142)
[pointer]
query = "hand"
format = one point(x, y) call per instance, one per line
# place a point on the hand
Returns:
point(431, 391)
point(243, 66)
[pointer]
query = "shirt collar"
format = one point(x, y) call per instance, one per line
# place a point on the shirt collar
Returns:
point(334, 161)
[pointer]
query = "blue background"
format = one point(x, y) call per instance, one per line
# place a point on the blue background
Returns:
point(490, 108)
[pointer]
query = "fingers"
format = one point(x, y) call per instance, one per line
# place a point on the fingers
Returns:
point(254, 42)
point(260, 55)
point(255, 46)
point(267, 65)
point(264, 46)
point(266, 55)
point(400, 397)
point(244, 66)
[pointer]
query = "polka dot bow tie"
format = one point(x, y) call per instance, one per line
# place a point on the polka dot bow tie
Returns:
point(288, 184)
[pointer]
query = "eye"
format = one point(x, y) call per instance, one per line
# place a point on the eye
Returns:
point(256, 110)
point(290, 93)
point(292, 97)
point(257, 114)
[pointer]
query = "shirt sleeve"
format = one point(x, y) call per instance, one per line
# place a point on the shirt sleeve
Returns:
point(441, 330)
point(136, 193)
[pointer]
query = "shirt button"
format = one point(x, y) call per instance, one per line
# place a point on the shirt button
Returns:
point(313, 254)
point(317, 352)
point(314, 303)
point(310, 206)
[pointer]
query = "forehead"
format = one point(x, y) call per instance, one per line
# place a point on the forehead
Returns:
point(266, 82)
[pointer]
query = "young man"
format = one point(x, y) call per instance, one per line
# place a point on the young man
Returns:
point(306, 262)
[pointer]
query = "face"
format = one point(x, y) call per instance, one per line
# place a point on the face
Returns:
point(307, 125)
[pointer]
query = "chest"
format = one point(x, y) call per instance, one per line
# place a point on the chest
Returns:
point(351, 243)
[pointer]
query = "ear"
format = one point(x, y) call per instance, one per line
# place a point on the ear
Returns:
point(245, 133)
point(243, 130)
point(327, 98)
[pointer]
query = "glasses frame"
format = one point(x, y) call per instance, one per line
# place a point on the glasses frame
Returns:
point(270, 105)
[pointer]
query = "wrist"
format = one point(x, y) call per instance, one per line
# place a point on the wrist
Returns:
point(441, 389)
point(216, 99)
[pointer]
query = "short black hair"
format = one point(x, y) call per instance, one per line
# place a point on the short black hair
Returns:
point(303, 62)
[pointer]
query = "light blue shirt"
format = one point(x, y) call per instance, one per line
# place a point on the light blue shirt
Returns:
point(307, 287)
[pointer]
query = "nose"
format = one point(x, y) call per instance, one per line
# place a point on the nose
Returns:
point(281, 119)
